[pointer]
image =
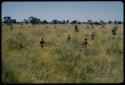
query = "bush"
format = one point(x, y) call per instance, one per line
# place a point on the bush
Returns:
point(76, 28)
point(114, 30)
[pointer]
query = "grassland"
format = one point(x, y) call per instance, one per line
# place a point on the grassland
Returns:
point(23, 61)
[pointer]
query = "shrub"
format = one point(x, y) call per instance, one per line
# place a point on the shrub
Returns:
point(76, 28)
point(114, 30)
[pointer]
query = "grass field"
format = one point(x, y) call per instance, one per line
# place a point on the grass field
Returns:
point(24, 61)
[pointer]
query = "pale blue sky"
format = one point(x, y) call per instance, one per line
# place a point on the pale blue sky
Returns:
point(83, 11)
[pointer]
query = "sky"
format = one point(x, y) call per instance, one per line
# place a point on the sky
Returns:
point(77, 10)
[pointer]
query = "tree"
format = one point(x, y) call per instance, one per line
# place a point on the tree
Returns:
point(55, 21)
point(60, 22)
point(67, 21)
point(13, 21)
point(44, 22)
point(115, 22)
point(26, 21)
point(89, 21)
point(74, 22)
point(109, 22)
point(7, 20)
point(78, 22)
point(102, 22)
point(119, 22)
point(63, 22)
point(96, 23)
point(34, 20)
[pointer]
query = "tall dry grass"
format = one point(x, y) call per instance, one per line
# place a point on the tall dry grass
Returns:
point(23, 61)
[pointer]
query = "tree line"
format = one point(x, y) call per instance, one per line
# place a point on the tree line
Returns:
point(34, 20)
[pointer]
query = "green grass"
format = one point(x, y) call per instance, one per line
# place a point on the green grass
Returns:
point(23, 61)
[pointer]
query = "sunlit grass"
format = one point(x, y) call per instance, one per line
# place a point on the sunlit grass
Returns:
point(24, 61)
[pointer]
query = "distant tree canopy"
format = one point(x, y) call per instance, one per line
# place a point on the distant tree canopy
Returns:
point(115, 22)
point(44, 22)
point(75, 22)
point(119, 22)
point(63, 22)
point(55, 21)
point(8, 20)
point(109, 22)
point(96, 23)
point(89, 21)
point(67, 21)
point(34, 20)
point(102, 22)
point(26, 21)
point(60, 22)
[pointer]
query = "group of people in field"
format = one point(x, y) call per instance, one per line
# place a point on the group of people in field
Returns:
point(84, 43)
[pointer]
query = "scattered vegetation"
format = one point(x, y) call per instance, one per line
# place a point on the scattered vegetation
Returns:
point(76, 28)
point(114, 30)
point(24, 61)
